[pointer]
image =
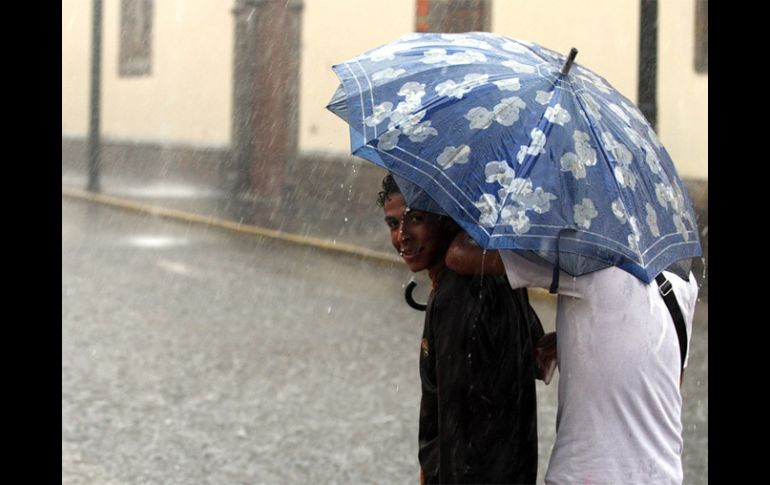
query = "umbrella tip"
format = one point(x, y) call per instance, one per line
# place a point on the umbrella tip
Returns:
point(570, 59)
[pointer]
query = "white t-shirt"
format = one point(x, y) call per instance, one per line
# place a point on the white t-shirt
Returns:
point(620, 407)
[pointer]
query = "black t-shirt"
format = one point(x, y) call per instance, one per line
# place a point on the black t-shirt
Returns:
point(478, 416)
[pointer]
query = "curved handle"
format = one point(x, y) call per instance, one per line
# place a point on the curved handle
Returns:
point(409, 300)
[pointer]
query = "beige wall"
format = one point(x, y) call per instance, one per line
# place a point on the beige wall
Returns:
point(75, 67)
point(605, 33)
point(683, 105)
point(334, 31)
point(186, 99)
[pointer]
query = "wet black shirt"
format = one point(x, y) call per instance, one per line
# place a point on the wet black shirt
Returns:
point(478, 421)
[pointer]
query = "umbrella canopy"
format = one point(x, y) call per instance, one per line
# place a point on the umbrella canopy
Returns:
point(521, 150)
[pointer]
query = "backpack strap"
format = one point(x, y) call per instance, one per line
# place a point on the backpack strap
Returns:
point(667, 292)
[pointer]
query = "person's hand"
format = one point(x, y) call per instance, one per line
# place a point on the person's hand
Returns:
point(545, 356)
point(422, 477)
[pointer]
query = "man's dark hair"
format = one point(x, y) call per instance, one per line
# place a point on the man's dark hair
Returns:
point(388, 187)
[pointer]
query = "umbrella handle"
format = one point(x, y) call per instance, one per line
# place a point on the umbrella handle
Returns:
point(409, 300)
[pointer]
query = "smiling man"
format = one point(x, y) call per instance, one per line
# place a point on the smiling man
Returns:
point(478, 420)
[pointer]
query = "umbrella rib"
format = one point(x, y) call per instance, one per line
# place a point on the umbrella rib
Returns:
point(371, 89)
point(361, 98)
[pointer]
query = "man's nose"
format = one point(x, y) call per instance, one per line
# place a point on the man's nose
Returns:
point(403, 231)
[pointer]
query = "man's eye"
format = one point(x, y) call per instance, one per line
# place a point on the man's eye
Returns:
point(414, 218)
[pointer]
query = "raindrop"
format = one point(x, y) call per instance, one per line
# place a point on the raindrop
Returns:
point(396, 387)
point(329, 310)
point(346, 219)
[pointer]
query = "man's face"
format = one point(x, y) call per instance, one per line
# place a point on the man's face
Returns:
point(419, 237)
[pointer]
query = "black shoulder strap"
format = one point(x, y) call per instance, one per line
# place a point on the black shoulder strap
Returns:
point(667, 292)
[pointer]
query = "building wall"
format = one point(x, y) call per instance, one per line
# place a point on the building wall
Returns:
point(187, 97)
point(683, 104)
point(75, 66)
point(334, 31)
point(605, 33)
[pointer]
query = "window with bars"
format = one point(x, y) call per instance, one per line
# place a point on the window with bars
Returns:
point(135, 38)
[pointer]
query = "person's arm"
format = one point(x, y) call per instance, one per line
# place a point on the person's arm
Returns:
point(465, 257)
point(545, 356)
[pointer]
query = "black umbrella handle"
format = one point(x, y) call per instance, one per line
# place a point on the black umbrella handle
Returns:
point(409, 300)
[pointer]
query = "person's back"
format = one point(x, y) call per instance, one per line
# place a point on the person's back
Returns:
point(619, 417)
point(478, 419)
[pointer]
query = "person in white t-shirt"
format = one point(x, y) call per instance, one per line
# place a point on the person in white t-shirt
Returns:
point(620, 405)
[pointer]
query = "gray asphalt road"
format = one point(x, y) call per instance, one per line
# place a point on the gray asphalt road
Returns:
point(195, 356)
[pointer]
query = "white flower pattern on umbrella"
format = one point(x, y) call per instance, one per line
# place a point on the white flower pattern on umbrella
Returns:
point(619, 210)
point(451, 88)
point(623, 173)
point(453, 155)
point(469, 42)
point(634, 112)
point(381, 112)
point(518, 67)
point(665, 194)
point(506, 112)
point(500, 172)
point(620, 112)
point(592, 106)
point(515, 47)
point(387, 74)
point(584, 156)
point(388, 52)
point(652, 219)
point(516, 217)
point(650, 156)
point(487, 205)
point(680, 227)
point(437, 55)
point(512, 84)
point(544, 97)
point(388, 140)
point(535, 147)
point(584, 212)
point(557, 115)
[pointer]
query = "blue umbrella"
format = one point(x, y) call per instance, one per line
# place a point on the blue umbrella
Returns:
point(525, 150)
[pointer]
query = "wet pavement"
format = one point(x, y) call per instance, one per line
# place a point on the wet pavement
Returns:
point(195, 355)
